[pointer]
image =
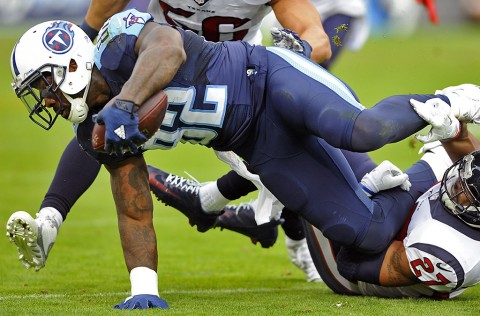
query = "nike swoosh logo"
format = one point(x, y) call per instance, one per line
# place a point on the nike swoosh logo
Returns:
point(440, 266)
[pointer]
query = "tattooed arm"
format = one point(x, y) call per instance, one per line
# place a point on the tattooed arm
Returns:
point(395, 269)
point(129, 181)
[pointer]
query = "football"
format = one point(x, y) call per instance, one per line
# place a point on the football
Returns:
point(150, 117)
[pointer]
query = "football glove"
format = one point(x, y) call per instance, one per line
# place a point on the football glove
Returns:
point(142, 301)
point(289, 39)
point(121, 127)
point(385, 176)
point(439, 115)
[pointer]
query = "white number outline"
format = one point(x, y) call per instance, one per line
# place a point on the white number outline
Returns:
point(195, 118)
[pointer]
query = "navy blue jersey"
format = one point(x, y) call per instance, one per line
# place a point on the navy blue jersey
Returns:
point(285, 115)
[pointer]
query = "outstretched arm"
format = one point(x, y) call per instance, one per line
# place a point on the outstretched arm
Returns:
point(302, 17)
point(129, 182)
point(160, 55)
point(130, 189)
point(462, 145)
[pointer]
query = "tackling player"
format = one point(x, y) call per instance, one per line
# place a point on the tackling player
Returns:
point(435, 254)
point(244, 82)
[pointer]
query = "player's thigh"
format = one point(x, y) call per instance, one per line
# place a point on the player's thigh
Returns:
point(319, 185)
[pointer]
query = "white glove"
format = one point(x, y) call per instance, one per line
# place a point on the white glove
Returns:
point(385, 176)
point(439, 115)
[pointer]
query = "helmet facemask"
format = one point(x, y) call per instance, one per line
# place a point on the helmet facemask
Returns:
point(33, 90)
point(459, 190)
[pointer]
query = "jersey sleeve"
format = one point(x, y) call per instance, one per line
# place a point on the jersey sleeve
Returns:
point(118, 36)
point(435, 267)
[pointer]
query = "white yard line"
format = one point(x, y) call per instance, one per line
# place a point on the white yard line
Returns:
point(183, 292)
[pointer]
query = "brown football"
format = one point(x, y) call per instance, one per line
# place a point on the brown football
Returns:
point(150, 117)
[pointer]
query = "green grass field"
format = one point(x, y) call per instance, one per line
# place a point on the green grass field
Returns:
point(219, 273)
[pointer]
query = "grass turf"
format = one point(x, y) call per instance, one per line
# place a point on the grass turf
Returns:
point(218, 272)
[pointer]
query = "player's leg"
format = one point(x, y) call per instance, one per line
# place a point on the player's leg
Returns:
point(315, 102)
point(324, 253)
point(233, 186)
point(314, 179)
point(296, 244)
point(34, 238)
point(186, 196)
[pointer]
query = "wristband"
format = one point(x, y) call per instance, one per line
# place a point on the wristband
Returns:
point(90, 31)
point(127, 106)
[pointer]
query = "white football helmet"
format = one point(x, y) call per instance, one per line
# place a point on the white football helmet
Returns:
point(45, 51)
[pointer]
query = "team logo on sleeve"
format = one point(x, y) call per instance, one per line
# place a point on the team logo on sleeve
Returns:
point(131, 19)
point(201, 2)
point(58, 38)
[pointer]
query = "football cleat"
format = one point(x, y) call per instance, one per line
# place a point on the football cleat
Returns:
point(464, 101)
point(33, 237)
point(241, 219)
point(300, 256)
point(182, 194)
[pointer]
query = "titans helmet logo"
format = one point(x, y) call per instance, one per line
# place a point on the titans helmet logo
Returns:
point(58, 38)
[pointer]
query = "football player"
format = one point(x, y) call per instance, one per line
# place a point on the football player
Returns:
point(434, 255)
point(275, 108)
point(216, 20)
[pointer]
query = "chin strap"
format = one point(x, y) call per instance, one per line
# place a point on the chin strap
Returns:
point(78, 107)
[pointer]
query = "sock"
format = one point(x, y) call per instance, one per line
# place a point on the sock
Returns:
point(52, 213)
point(211, 199)
point(144, 281)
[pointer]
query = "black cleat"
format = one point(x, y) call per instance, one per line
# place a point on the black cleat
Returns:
point(241, 219)
point(182, 194)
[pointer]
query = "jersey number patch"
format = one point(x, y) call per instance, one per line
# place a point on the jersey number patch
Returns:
point(190, 121)
point(427, 266)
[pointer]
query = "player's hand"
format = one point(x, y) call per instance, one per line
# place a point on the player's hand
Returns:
point(289, 39)
point(142, 301)
point(385, 176)
point(439, 115)
point(121, 127)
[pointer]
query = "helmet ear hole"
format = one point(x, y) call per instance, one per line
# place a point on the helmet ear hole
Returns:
point(72, 67)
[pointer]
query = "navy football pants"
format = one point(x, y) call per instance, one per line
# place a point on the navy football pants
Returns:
point(292, 150)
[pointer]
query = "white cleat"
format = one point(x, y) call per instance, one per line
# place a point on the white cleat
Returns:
point(300, 256)
point(465, 102)
point(33, 237)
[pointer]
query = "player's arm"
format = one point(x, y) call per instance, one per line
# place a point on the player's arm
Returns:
point(395, 270)
point(160, 55)
point(303, 18)
point(100, 11)
point(131, 193)
point(462, 145)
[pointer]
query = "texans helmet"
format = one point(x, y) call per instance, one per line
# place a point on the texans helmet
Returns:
point(460, 189)
point(41, 64)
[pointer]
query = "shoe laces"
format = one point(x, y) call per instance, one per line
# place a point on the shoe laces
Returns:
point(184, 184)
point(243, 206)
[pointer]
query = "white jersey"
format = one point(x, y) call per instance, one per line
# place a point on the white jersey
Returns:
point(216, 20)
point(442, 250)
